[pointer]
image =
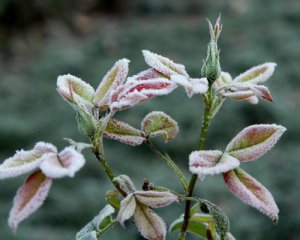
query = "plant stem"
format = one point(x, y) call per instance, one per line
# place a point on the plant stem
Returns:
point(205, 124)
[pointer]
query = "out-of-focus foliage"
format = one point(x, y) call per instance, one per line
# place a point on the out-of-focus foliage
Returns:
point(40, 40)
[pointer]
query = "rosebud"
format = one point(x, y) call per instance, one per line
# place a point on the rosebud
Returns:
point(86, 123)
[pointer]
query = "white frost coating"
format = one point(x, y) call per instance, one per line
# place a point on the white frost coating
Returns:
point(224, 79)
point(155, 199)
point(149, 224)
point(145, 75)
point(211, 162)
point(192, 85)
point(127, 139)
point(163, 65)
point(252, 99)
point(257, 74)
point(252, 192)
point(29, 198)
point(25, 161)
point(254, 141)
point(114, 78)
point(125, 183)
point(127, 209)
point(65, 164)
point(239, 94)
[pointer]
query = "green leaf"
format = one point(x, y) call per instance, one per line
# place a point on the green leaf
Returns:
point(94, 229)
point(113, 199)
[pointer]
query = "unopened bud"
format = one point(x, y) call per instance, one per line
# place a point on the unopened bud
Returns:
point(86, 123)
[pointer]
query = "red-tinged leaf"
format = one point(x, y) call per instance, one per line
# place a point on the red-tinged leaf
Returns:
point(254, 141)
point(163, 65)
point(25, 161)
point(262, 92)
point(149, 224)
point(250, 191)
point(114, 78)
point(124, 133)
point(192, 85)
point(211, 162)
point(127, 209)
point(65, 164)
point(158, 123)
point(130, 94)
point(29, 198)
point(150, 73)
point(155, 199)
point(257, 74)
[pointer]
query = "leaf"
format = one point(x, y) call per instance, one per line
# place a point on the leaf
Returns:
point(124, 183)
point(211, 162)
point(224, 79)
point(25, 161)
point(155, 199)
point(160, 124)
point(102, 222)
point(124, 133)
point(132, 93)
point(251, 192)
point(163, 65)
point(113, 199)
point(149, 224)
point(114, 78)
point(127, 209)
point(65, 164)
point(145, 75)
point(29, 198)
point(254, 141)
point(257, 74)
point(192, 85)
point(219, 217)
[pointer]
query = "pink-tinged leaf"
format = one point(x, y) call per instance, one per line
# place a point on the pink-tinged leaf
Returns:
point(155, 199)
point(65, 164)
point(163, 65)
point(149, 224)
point(254, 141)
point(125, 183)
point(72, 88)
point(211, 162)
point(127, 209)
point(160, 124)
point(262, 92)
point(224, 79)
point(192, 85)
point(145, 75)
point(29, 198)
point(124, 133)
point(25, 161)
point(114, 78)
point(250, 191)
point(130, 94)
point(257, 74)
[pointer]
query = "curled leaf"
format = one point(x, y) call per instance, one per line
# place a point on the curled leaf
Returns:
point(257, 74)
point(149, 224)
point(25, 161)
point(127, 209)
point(148, 74)
point(155, 199)
point(211, 162)
point(192, 85)
point(114, 78)
point(254, 141)
point(65, 164)
point(251, 192)
point(124, 133)
point(163, 65)
point(158, 123)
point(29, 198)
point(124, 183)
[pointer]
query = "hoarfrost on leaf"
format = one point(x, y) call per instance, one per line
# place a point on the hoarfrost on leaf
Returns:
point(192, 85)
point(127, 209)
point(155, 199)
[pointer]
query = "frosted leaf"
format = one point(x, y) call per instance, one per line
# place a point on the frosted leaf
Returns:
point(254, 141)
point(124, 183)
point(158, 123)
point(224, 79)
point(25, 161)
point(29, 198)
point(127, 209)
point(65, 164)
point(262, 92)
point(211, 162)
point(149, 224)
point(131, 94)
point(114, 78)
point(239, 94)
point(163, 65)
point(192, 85)
point(257, 74)
point(229, 236)
point(155, 199)
point(252, 99)
point(145, 75)
point(124, 133)
point(250, 191)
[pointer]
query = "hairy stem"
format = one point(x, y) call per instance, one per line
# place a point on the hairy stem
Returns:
point(205, 124)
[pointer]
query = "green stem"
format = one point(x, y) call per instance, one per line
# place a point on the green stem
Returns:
point(205, 124)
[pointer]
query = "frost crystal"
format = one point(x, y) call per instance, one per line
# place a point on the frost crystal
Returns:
point(192, 85)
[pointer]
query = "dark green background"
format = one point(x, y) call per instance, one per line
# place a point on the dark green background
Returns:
point(40, 40)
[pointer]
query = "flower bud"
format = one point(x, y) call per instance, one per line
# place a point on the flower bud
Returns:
point(86, 123)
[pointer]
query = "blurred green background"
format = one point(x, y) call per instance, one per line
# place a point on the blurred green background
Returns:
point(40, 40)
